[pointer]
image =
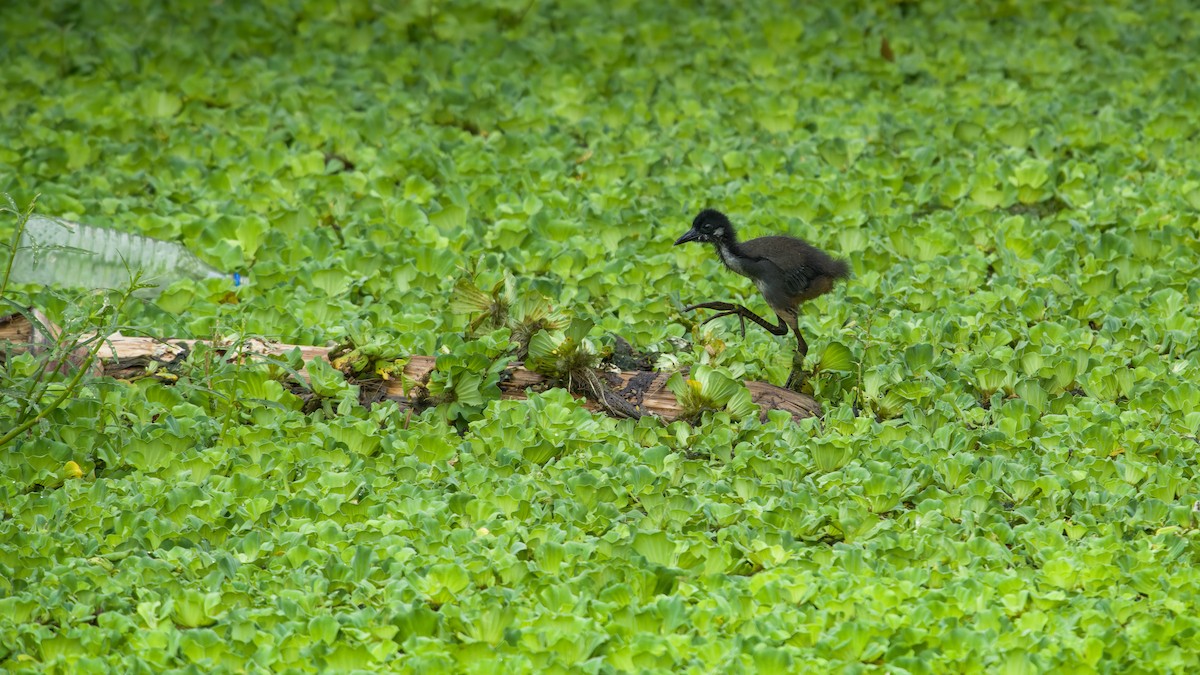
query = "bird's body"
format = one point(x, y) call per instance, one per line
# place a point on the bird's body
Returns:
point(786, 270)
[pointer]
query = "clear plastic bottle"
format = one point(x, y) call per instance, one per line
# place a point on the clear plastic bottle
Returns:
point(57, 252)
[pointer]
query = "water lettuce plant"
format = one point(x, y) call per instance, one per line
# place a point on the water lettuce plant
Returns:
point(1004, 479)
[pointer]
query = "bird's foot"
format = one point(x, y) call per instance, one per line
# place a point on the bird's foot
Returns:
point(727, 309)
point(799, 376)
point(796, 380)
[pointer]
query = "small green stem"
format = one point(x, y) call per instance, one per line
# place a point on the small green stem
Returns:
point(70, 389)
point(71, 386)
point(22, 219)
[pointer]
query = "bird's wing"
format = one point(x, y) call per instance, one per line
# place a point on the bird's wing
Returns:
point(799, 262)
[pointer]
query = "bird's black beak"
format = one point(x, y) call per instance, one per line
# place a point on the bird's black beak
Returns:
point(690, 235)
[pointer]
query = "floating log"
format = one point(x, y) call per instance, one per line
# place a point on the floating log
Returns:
point(126, 357)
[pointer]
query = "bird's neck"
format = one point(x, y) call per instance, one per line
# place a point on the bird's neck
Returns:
point(731, 254)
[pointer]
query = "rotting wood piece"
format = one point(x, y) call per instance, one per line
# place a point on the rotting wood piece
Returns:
point(16, 328)
point(128, 357)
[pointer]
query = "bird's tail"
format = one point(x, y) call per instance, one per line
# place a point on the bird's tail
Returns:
point(838, 268)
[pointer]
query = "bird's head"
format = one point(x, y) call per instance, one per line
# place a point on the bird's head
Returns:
point(709, 225)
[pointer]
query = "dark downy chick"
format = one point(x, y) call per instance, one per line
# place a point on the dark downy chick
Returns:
point(787, 271)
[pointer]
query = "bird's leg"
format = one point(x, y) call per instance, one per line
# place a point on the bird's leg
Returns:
point(798, 376)
point(801, 345)
point(728, 308)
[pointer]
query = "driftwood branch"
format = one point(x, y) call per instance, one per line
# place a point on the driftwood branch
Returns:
point(126, 357)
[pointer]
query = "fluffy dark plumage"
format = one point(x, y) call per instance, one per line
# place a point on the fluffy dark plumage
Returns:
point(801, 264)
